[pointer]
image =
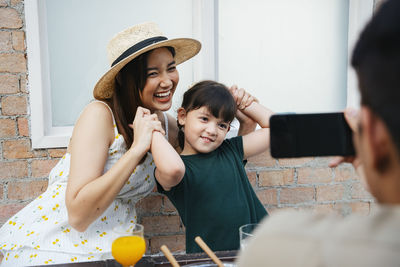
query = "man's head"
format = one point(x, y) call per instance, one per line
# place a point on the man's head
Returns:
point(376, 59)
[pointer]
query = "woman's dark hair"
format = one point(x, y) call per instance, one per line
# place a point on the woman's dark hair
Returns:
point(129, 83)
point(213, 95)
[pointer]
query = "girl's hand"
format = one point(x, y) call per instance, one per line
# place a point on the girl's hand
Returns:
point(243, 99)
point(143, 127)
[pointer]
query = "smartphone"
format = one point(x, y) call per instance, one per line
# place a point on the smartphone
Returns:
point(305, 135)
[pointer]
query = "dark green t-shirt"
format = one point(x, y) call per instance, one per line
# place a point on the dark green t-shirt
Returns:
point(215, 197)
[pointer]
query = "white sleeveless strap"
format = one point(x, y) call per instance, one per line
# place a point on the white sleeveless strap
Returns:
point(166, 124)
point(112, 115)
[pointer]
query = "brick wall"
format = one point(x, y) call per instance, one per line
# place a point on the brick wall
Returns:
point(306, 183)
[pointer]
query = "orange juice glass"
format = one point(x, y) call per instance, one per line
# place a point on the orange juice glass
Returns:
point(129, 246)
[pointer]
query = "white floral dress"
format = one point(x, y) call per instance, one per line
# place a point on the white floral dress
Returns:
point(39, 234)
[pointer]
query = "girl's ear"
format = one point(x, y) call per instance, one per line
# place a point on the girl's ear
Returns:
point(181, 116)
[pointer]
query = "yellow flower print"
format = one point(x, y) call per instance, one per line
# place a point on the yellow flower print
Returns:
point(117, 136)
point(11, 222)
point(55, 194)
point(103, 234)
point(21, 226)
point(128, 182)
point(16, 256)
point(91, 257)
point(28, 234)
point(63, 157)
point(84, 242)
point(33, 256)
point(48, 261)
point(147, 177)
point(61, 173)
point(55, 241)
point(44, 217)
point(13, 247)
point(104, 218)
point(37, 247)
point(99, 249)
point(115, 126)
point(76, 245)
point(116, 207)
point(40, 207)
point(55, 207)
point(5, 245)
point(39, 197)
point(67, 230)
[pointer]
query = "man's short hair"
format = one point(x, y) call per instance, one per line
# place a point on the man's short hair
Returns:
point(376, 59)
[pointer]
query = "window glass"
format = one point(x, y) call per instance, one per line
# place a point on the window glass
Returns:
point(291, 54)
point(78, 32)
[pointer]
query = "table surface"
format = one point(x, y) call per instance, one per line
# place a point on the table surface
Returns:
point(158, 261)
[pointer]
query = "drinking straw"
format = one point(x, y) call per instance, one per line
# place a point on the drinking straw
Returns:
point(169, 256)
point(209, 252)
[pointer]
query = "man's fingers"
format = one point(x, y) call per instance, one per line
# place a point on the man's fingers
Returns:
point(351, 116)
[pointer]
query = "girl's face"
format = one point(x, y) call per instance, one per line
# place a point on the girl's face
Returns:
point(162, 78)
point(203, 132)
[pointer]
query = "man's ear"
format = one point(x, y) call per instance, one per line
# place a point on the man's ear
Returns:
point(378, 139)
point(181, 116)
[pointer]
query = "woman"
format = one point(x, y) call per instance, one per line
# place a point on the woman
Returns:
point(107, 167)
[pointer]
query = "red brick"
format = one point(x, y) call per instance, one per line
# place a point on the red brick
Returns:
point(16, 169)
point(295, 161)
point(161, 224)
point(42, 168)
point(57, 152)
point(273, 210)
point(296, 195)
point(9, 84)
point(168, 206)
point(16, 2)
point(175, 243)
point(150, 204)
point(14, 63)
point(252, 176)
point(261, 160)
point(312, 175)
point(5, 41)
point(279, 177)
point(358, 191)
point(22, 84)
point(14, 105)
point(3, 3)
point(362, 208)
point(8, 210)
point(21, 149)
point(268, 196)
point(1, 191)
point(7, 128)
point(344, 173)
point(18, 40)
point(26, 190)
point(10, 19)
point(23, 126)
point(330, 192)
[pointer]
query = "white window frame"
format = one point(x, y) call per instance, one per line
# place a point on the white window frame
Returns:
point(205, 25)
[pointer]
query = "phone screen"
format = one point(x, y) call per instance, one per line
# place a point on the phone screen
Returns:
point(304, 135)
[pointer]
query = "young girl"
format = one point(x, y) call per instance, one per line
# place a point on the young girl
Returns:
point(208, 183)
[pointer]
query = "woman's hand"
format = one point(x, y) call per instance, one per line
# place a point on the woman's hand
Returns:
point(143, 127)
point(243, 99)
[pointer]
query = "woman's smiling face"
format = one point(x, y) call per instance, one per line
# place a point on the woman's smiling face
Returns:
point(162, 79)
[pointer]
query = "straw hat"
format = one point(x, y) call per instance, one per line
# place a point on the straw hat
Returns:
point(134, 41)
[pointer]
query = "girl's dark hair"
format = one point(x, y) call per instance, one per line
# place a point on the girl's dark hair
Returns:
point(213, 95)
point(129, 83)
